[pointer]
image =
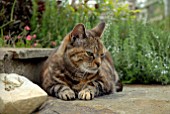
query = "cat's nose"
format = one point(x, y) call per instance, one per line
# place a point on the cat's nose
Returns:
point(97, 62)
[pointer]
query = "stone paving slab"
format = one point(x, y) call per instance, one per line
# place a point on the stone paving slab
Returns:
point(135, 99)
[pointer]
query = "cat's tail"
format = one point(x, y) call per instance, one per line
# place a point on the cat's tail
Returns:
point(119, 86)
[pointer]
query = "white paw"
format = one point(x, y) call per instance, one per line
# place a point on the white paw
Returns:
point(86, 94)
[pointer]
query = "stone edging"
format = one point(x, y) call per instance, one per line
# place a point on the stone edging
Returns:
point(24, 53)
point(24, 61)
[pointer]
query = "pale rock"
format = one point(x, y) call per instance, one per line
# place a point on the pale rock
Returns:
point(18, 95)
point(1, 105)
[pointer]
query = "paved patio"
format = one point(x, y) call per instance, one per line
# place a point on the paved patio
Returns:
point(135, 99)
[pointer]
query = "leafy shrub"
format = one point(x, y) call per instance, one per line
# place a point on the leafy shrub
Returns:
point(141, 52)
point(51, 20)
point(56, 21)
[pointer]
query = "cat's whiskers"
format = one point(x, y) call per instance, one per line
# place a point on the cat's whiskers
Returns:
point(76, 72)
point(84, 73)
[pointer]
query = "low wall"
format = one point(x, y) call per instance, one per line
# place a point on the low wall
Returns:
point(23, 61)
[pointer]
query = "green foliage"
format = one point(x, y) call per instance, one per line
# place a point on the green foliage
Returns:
point(51, 21)
point(58, 21)
point(141, 52)
point(163, 24)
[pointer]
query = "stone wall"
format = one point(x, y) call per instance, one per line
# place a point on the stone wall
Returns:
point(23, 61)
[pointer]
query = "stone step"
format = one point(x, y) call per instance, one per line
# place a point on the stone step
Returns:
point(24, 61)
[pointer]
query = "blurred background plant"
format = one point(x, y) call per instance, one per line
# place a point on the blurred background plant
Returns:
point(51, 20)
point(136, 34)
point(141, 52)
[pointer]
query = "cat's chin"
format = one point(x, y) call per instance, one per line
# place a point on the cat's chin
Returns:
point(87, 70)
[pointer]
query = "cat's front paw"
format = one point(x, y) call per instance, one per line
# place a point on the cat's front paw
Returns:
point(67, 95)
point(86, 94)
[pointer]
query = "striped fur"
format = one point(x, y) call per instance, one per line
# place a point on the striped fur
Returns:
point(81, 67)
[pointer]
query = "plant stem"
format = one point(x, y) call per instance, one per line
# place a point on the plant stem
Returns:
point(12, 10)
point(6, 24)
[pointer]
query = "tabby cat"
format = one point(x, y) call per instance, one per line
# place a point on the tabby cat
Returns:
point(81, 67)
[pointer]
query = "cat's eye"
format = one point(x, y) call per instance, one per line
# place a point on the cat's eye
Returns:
point(102, 55)
point(89, 53)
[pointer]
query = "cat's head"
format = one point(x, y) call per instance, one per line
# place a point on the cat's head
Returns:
point(85, 50)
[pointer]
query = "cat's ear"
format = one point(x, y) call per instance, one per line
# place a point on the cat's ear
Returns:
point(99, 29)
point(78, 32)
